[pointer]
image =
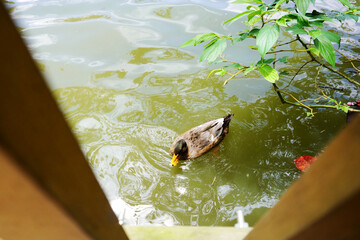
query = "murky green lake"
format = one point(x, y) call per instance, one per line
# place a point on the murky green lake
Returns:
point(127, 91)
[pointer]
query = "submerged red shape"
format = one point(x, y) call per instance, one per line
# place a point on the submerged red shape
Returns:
point(303, 163)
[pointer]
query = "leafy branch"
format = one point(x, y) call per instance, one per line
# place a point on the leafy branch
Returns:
point(265, 24)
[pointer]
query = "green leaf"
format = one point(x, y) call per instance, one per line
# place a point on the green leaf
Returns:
point(315, 15)
point(315, 51)
point(281, 22)
point(252, 6)
point(283, 59)
point(253, 21)
point(234, 65)
point(212, 71)
point(302, 20)
point(247, 1)
point(253, 14)
point(345, 108)
point(279, 3)
point(347, 4)
point(265, 61)
point(266, 38)
point(199, 39)
point(308, 114)
point(290, 16)
point(251, 68)
point(284, 73)
point(211, 42)
point(254, 32)
point(211, 52)
point(272, 5)
point(233, 19)
point(315, 33)
point(221, 72)
point(326, 49)
point(333, 37)
point(302, 5)
point(352, 16)
point(318, 23)
point(269, 73)
point(188, 43)
point(296, 29)
point(241, 37)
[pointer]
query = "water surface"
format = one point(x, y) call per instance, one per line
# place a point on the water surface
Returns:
point(127, 91)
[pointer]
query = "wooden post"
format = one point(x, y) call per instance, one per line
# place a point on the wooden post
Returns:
point(26, 212)
point(34, 131)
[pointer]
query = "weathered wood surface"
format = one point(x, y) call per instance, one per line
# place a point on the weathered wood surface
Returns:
point(34, 131)
point(26, 212)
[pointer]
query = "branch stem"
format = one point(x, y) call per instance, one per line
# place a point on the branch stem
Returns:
point(326, 66)
point(352, 64)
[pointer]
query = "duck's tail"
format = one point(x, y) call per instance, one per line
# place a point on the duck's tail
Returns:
point(227, 120)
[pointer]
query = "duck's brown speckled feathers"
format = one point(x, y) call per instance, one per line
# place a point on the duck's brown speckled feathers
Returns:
point(202, 138)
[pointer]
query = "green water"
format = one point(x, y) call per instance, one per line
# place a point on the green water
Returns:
point(127, 92)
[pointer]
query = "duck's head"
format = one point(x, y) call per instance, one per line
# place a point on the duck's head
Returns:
point(180, 151)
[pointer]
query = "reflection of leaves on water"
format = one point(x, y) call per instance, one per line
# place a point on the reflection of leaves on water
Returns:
point(82, 18)
point(156, 55)
point(164, 12)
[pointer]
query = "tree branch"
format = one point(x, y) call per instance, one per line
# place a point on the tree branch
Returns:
point(298, 72)
point(286, 43)
point(349, 60)
point(285, 50)
point(326, 66)
point(233, 75)
point(301, 104)
point(277, 90)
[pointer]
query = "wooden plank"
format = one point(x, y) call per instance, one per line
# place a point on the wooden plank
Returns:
point(185, 233)
point(33, 130)
point(341, 223)
point(26, 212)
point(327, 188)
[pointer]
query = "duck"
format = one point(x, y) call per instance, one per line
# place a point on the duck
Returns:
point(200, 139)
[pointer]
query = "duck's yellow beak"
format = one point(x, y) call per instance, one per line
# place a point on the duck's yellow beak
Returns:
point(175, 159)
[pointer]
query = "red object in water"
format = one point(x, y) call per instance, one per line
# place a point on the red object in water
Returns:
point(303, 163)
point(356, 104)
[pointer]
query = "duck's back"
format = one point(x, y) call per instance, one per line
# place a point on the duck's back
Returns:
point(204, 137)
